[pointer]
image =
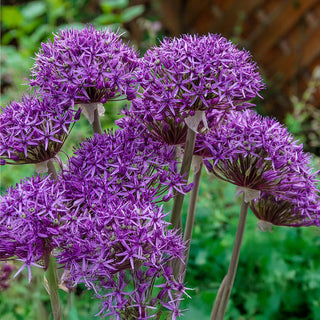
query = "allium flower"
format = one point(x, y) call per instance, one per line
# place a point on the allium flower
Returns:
point(120, 250)
point(256, 153)
point(303, 210)
point(125, 163)
point(34, 129)
point(29, 219)
point(190, 74)
point(86, 65)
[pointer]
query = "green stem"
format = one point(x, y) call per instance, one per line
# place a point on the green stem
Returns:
point(96, 125)
point(223, 296)
point(218, 298)
point(184, 171)
point(181, 268)
point(52, 170)
point(192, 208)
point(51, 274)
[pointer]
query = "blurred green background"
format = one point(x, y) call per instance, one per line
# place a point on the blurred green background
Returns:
point(279, 272)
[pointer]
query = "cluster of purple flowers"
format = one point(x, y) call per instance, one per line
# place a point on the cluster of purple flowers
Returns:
point(100, 222)
point(30, 216)
point(122, 248)
point(114, 235)
point(122, 164)
point(34, 129)
point(296, 212)
point(86, 66)
point(189, 74)
point(101, 218)
point(258, 153)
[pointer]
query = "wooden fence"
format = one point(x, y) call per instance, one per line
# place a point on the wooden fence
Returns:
point(282, 35)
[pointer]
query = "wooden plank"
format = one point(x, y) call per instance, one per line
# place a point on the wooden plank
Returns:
point(226, 23)
point(267, 13)
point(303, 56)
point(203, 23)
point(171, 16)
point(223, 4)
point(288, 17)
point(193, 9)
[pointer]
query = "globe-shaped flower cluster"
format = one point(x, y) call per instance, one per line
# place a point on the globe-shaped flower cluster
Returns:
point(258, 153)
point(126, 164)
point(120, 249)
point(295, 212)
point(87, 66)
point(189, 74)
point(30, 216)
point(114, 234)
point(34, 129)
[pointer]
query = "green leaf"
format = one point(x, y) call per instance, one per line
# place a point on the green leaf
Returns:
point(251, 303)
point(108, 18)
point(110, 5)
point(293, 124)
point(132, 13)
point(73, 314)
point(34, 10)
point(8, 36)
point(40, 33)
point(201, 257)
point(11, 17)
point(196, 309)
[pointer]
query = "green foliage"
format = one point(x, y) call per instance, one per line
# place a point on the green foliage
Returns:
point(118, 12)
point(30, 301)
point(304, 121)
point(278, 273)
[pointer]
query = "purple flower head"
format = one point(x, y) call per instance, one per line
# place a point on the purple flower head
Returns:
point(34, 129)
point(302, 210)
point(256, 153)
point(86, 65)
point(126, 164)
point(29, 219)
point(119, 250)
point(189, 74)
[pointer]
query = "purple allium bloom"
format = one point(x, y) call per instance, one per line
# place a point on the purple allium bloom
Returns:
point(29, 219)
point(303, 210)
point(86, 65)
point(189, 74)
point(120, 249)
point(125, 163)
point(5, 273)
point(256, 153)
point(34, 129)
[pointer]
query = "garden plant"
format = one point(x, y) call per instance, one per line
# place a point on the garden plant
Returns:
point(99, 219)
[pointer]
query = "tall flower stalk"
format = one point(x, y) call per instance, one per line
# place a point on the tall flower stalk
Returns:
point(53, 289)
point(51, 272)
point(175, 217)
point(220, 305)
point(187, 236)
